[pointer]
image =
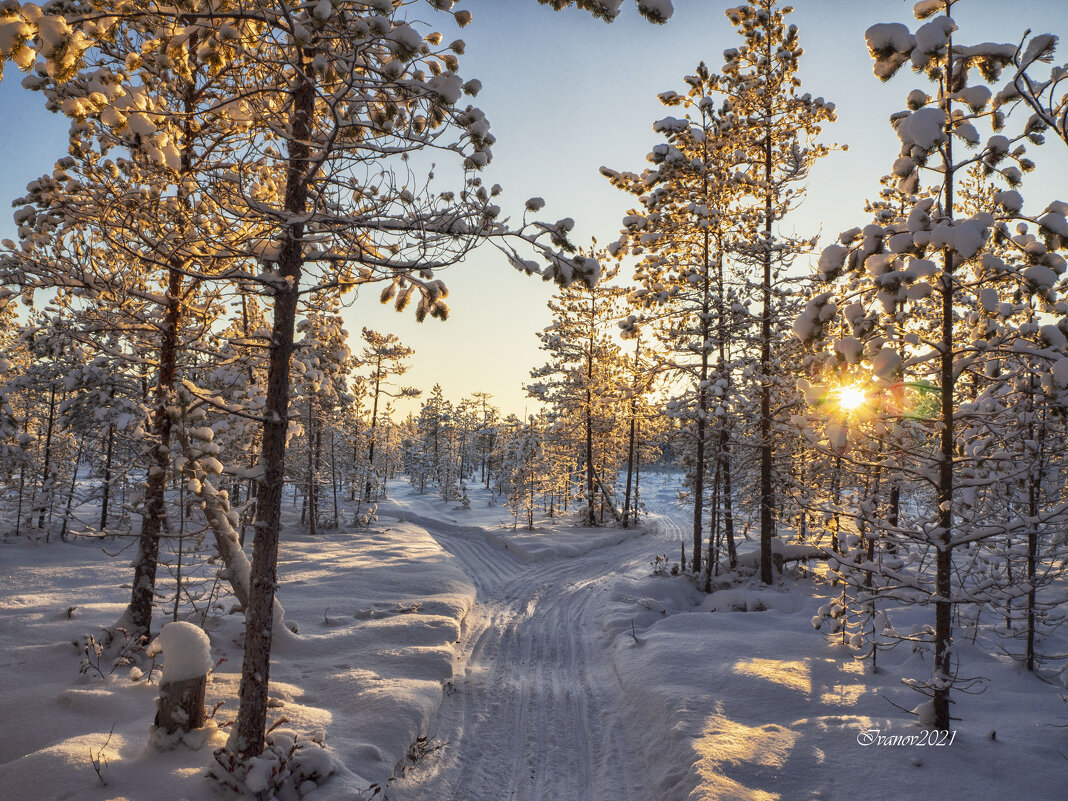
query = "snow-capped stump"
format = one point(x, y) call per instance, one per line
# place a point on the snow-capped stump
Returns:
point(186, 661)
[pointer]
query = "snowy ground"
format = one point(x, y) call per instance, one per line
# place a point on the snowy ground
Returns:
point(757, 705)
point(544, 665)
point(378, 615)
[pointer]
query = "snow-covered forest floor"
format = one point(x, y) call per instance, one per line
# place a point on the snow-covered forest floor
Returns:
point(443, 655)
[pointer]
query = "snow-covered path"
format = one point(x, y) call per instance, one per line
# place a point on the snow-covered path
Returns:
point(538, 713)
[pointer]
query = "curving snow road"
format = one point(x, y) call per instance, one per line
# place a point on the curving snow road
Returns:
point(538, 712)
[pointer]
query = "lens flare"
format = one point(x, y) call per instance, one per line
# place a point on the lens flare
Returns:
point(851, 397)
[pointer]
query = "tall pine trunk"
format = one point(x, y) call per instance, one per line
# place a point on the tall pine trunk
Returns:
point(1034, 489)
point(944, 541)
point(728, 507)
point(333, 474)
point(139, 612)
point(702, 405)
point(767, 521)
point(590, 513)
point(70, 493)
point(724, 432)
point(106, 490)
point(631, 436)
point(371, 434)
point(249, 729)
point(47, 479)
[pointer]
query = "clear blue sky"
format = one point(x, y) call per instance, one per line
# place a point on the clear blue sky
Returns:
point(566, 94)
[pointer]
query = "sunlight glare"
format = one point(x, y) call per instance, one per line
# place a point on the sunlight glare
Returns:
point(851, 397)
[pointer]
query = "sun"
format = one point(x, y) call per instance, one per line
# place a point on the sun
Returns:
point(851, 397)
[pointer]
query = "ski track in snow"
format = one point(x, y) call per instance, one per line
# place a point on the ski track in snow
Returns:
point(538, 712)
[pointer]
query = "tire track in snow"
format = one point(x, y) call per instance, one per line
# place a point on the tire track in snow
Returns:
point(485, 562)
point(538, 714)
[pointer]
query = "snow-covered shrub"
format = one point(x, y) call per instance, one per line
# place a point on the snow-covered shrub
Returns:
point(660, 564)
point(111, 651)
point(291, 766)
point(367, 518)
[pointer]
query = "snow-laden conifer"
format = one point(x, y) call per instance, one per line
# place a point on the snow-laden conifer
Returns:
point(581, 386)
point(936, 294)
point(777, 129)
point(386, 357)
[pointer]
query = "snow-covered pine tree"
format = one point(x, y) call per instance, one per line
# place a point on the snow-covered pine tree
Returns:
point(776, 133)
point(645, 422)
point(390, 452)
point(466, 421)
point(852, 480)
point(485, 432)
point(681, 234)
point(126, 196)
point(634, 391)
point(582, 385)
point(1015, 577)
point(349, 212)
point(430, 452)
point(355, 434)
point(46, 391)
point(448, 458)
point(387, 358)
point(497, 468)
point(13, 363)
point(525, 467)
point(944, 270)
point(1012, 429)
point(790, 453)
point(239, 374)
point(320, 364)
